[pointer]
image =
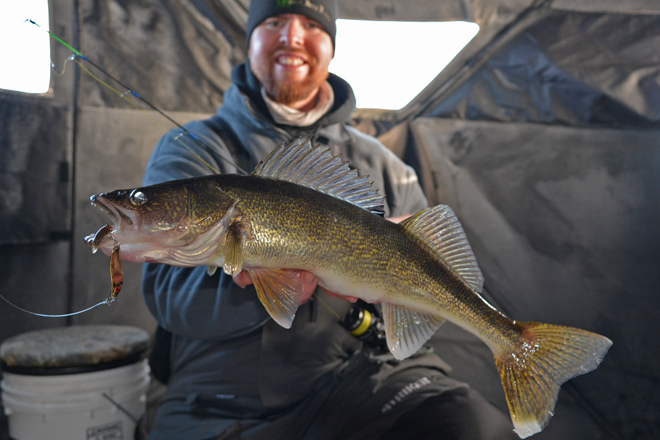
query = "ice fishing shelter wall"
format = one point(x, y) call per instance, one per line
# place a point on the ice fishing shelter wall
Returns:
point(548, 148)
point(545, 139)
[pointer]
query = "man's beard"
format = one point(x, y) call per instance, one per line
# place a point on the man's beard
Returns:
point(288, 92)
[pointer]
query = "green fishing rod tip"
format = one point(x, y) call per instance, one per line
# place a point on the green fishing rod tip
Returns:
point(65, 44)
point(58, 39)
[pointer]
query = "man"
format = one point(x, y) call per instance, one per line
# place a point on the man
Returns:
point(234, 372)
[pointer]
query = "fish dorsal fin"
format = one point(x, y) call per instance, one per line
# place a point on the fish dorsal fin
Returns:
point(439, 228)
point(406, 330)
point(315, 167)
point(280, 292)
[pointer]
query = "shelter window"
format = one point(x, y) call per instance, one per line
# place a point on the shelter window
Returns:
point(389, 62)
point(24, 47)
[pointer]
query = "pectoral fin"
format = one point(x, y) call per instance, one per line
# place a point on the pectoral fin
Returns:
point(407, 330)
point(233, 254)
point(211, 270)
point(279, 291)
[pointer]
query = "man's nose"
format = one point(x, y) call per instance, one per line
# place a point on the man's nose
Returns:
point(293, 34)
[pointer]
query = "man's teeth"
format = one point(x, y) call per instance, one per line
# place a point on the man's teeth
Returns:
point(290, 61)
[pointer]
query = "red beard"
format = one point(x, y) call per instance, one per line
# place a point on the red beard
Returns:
point(290, 91)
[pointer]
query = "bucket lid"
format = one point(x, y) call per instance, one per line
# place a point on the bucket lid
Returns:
point(73, 350)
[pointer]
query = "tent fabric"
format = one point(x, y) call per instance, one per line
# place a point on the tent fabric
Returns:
point(576, 69)
point(34, 173)
point(565, 225)
point(168, 51)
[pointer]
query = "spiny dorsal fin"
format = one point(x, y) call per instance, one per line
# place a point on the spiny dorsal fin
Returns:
point(407, 330)
point(314, 167)
point(439, 227)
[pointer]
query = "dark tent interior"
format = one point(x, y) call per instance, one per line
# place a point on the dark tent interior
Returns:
point(543, 135)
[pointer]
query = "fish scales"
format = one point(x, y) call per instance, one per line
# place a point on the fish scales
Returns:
point(304, 209)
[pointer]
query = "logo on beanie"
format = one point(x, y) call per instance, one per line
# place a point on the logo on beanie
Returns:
point(306, 3)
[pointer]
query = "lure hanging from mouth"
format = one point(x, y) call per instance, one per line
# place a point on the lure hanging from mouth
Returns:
point(95, 240)
point(116, 272)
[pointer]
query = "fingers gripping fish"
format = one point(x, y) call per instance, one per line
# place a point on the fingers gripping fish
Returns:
point(302, 208)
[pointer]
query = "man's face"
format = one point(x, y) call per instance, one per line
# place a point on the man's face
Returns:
point(290, 54)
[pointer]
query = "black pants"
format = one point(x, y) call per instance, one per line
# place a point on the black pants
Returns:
point(410, 401)
point(459, 414)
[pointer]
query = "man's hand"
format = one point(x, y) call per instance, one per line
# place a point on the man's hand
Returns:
point(399, 219)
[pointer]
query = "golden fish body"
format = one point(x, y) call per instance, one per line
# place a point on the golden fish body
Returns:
point(351, 250)
point(303, 209)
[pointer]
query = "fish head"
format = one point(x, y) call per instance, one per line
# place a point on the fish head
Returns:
point(150, 222)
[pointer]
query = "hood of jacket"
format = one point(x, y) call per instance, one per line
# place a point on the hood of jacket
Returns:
point(342, 110)
point(246, 116)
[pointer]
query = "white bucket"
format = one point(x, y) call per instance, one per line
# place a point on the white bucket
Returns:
point(73, 406)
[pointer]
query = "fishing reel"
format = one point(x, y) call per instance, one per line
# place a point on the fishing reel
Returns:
point(365, 323)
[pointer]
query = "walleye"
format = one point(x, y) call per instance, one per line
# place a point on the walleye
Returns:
point(302, 208)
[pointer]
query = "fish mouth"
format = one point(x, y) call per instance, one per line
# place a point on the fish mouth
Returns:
point(121, 217)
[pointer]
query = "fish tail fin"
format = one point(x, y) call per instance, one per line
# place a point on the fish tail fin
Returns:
point(538, 364)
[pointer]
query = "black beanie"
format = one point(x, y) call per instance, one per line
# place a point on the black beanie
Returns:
point(323, 11)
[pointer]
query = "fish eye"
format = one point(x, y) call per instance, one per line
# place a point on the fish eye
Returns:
point(137, 197)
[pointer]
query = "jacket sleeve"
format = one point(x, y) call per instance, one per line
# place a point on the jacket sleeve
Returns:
point(187, 301)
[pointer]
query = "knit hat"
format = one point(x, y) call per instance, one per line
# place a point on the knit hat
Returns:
point(323, 11)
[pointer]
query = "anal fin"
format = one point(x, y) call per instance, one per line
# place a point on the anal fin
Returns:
point(279, 291)
point(407, 330)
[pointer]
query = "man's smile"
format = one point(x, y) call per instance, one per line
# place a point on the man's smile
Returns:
point(289, 59)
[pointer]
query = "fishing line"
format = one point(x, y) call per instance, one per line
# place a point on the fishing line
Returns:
point(196, 139)
point(107, 301)
point(125, 97)
point(324, 304)
point(53, 67)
